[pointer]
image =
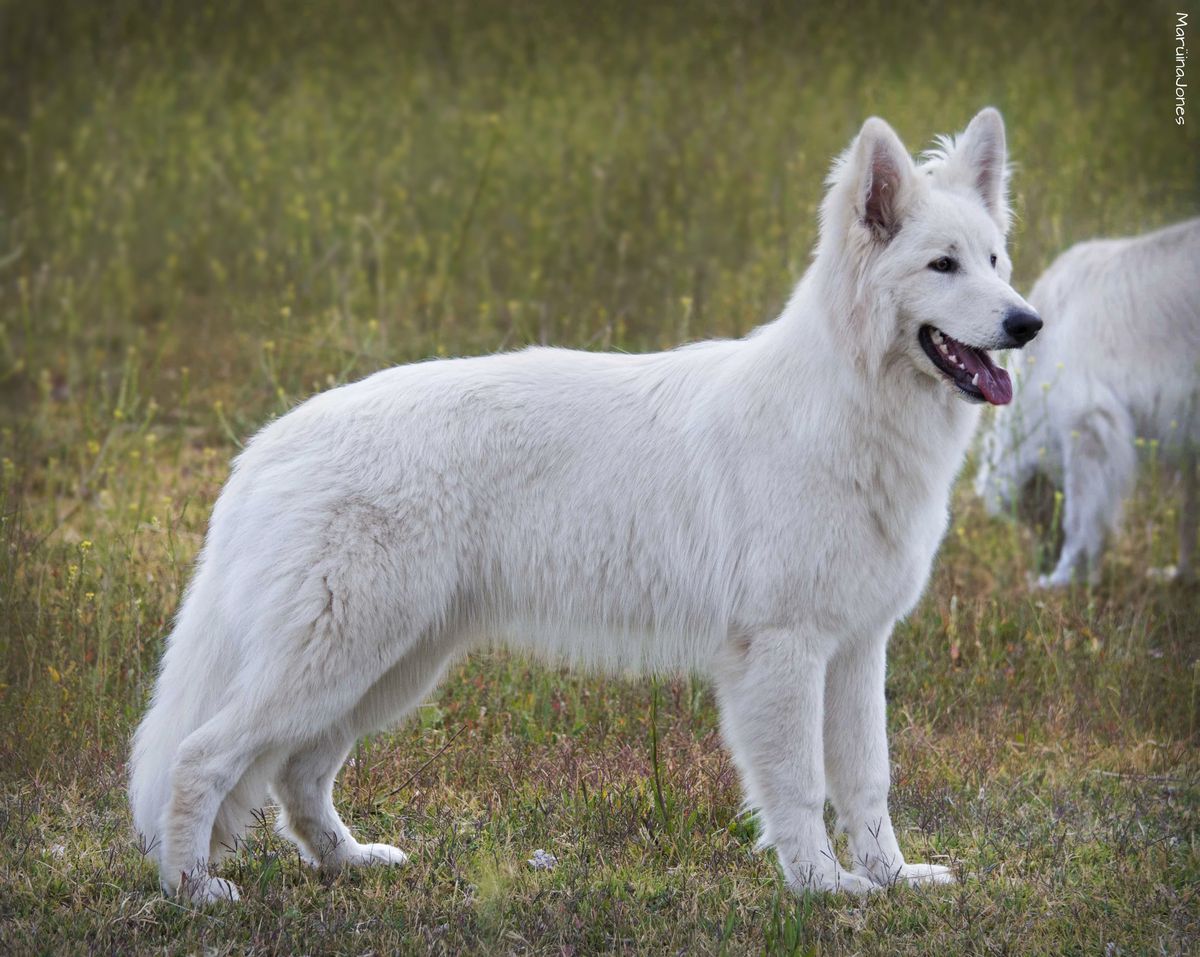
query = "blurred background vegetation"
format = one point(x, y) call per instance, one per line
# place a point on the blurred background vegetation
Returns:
point(209, 211)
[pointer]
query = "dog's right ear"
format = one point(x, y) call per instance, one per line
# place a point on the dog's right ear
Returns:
point(884, 174)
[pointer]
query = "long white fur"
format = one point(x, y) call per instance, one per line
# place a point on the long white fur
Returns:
point(1119, 360)
point(759, 510)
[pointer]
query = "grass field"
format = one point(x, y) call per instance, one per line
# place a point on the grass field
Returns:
point(207, 215)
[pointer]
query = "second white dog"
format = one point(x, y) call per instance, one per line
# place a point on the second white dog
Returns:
point(760, 510)
point(1120, 360)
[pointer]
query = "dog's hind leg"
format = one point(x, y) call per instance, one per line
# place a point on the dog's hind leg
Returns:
point(304, 782)
point(262, 718)
point(304, 789)
point(210, 763)
point(1099, 466)
point(238, 812)
point(1189, 513)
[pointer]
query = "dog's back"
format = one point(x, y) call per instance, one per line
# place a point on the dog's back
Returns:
point(1123, 320)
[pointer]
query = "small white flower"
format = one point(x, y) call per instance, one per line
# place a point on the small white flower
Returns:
point(58, 850)
point(542, 860)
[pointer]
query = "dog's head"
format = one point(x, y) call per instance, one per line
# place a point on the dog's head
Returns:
point(915, 255)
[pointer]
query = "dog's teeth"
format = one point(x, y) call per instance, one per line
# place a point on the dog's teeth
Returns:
point(943, 348)
point(937, 336)
point(975, 379)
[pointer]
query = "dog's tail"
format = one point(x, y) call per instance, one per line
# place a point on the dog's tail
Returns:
point(200, 661)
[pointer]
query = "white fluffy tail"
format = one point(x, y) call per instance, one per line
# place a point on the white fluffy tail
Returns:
point(200, 660)
point(154, 747)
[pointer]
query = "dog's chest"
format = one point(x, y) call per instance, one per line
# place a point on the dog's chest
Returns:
point(887, 550)
point(853, 543)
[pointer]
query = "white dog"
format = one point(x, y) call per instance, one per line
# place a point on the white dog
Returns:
point(1119, 361)
point(759, 510)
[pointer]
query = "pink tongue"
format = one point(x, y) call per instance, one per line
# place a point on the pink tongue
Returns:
point(993, 382)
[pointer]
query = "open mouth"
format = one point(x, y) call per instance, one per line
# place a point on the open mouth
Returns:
point(971, 370)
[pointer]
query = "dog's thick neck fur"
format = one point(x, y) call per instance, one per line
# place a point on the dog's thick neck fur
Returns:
point(884, 427)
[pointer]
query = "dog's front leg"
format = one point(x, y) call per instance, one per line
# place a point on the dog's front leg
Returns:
point(857, 766)
point(771, 688)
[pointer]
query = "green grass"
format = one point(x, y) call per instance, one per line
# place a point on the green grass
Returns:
point(206, 215)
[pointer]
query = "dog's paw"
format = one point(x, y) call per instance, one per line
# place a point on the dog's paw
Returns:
point(375, 855)
point(914, 875)
point(834, 882)
point(203, 889)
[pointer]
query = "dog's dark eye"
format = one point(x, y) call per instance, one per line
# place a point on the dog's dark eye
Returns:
point(993, 260)
point(944, 264)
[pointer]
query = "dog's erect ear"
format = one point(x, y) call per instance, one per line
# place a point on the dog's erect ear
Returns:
point(980, 160)
point(885, 174)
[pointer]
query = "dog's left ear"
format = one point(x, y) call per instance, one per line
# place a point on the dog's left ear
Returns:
point(884, 176)
point(979, 160)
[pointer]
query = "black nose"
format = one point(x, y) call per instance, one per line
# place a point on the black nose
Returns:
point(1022, 325)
